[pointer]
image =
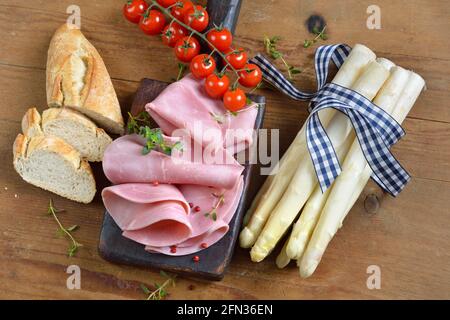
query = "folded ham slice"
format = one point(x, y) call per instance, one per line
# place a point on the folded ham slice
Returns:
point(205, 230)
point(149, 214)
point(185, 105)
point(123, 162)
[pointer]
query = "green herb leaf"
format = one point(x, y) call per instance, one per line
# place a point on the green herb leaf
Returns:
point(294, 70)
point(320, 34)
point(307, 44)
point(145, 289)
point(136, 122)
point(274, 53)
point(160, 291)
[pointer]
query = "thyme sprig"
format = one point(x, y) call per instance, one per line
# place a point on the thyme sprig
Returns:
point(73, 248)
point(271, 48)
point(213, 213)
point(154, 139)
point(136, 122)
point(320, 34)
point(160, 292)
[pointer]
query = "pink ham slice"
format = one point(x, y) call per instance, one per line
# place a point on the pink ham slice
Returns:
point(123, 162)
point(185, 105)
point(205, 229)
point(148, 214)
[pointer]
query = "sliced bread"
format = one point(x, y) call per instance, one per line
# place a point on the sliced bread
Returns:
point(71, 126)
point(77, 78)
point(52, 164)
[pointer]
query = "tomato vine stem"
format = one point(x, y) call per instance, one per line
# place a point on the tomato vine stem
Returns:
point(197, 33)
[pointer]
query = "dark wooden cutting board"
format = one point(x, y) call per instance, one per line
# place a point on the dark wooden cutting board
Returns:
point(213, 260)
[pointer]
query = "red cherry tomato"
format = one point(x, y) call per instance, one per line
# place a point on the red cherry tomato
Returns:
point(251, 76)
point(221, 38)
point(132, 10)
point(202, 66)
point(172, 33)
point(237, 58)
point(197, 18)
point(166, 3)
point(187, 48)
point(216, 86)
point(152, 22)
point(179, 11)
point(234, 100)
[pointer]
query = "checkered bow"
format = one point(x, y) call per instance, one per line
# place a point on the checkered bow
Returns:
point(375, 129)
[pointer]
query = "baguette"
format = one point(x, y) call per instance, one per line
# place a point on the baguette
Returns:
point(77, 78)
point(52, 164)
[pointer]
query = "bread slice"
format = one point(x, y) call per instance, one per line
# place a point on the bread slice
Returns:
point(71, 126)
point(77, 78)
point(52, 164)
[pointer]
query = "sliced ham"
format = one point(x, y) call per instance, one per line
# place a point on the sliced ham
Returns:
point(159, 216)
point(204, 229)
point(123, 162)
point(148, 214)
point(185, 105)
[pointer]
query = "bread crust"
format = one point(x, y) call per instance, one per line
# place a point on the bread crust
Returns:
point(31, 123)
point(68, 51)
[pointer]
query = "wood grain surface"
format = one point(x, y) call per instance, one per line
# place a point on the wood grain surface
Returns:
point(407, 237)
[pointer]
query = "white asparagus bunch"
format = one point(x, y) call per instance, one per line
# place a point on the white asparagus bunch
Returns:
point(304, 227)
point(397, 97)
point(276, 184)
point(341, 134)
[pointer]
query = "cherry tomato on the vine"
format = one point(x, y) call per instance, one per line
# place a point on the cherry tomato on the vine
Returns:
point(197, 18)
point(179, 11)
point(166, 3)
point(251, 76)
point(234, 100)
point(221, 38)
point(133, 9)
point(172, 33)
point(237, 58)
point(202, 66)
point(187, 48)
point(217, 85)
point(152, 22)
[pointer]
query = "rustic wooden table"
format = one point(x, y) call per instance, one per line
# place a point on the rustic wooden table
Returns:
point(407, 237)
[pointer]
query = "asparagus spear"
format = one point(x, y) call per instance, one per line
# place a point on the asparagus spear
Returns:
point(304, 180)
point(275, 185)
point(397, 97)
point(282, 258)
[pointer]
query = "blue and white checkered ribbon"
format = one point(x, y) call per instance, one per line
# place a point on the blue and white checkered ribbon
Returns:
point(375, 129)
